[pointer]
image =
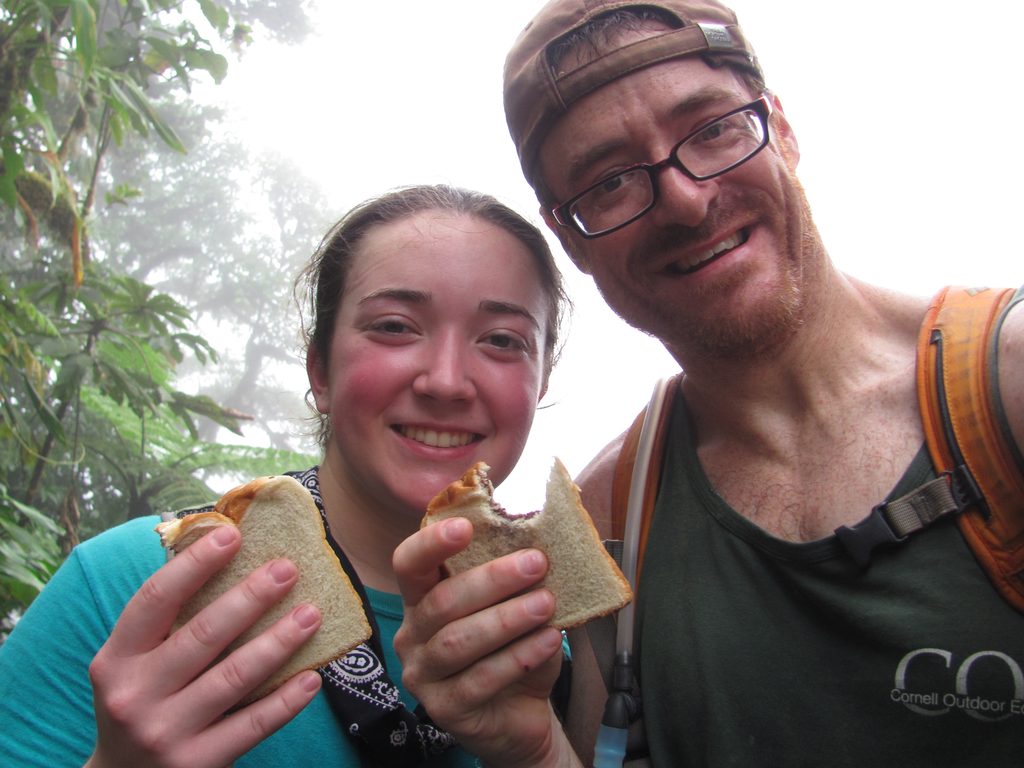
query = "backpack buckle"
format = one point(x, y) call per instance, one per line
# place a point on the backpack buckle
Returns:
point(892, 521)
point(862, 539)
point(965, 491)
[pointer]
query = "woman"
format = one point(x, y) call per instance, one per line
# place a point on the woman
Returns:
point(434, 323)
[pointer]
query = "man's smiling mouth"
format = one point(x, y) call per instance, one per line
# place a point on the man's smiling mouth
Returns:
point(698, 260)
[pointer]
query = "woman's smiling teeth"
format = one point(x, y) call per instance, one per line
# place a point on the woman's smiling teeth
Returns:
point(437, 439)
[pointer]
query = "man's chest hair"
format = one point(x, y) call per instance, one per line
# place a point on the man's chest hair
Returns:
point(802, 489)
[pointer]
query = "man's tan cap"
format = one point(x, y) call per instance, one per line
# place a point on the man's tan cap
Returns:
point(536, 95)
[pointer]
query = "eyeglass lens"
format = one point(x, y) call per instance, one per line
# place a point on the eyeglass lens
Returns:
point(713, 150)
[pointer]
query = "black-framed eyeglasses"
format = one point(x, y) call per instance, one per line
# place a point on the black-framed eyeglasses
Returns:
point(713, 149)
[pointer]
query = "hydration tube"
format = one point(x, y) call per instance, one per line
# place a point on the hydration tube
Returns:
point(610, 749)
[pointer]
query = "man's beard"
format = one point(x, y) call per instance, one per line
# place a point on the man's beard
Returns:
point(742, 332)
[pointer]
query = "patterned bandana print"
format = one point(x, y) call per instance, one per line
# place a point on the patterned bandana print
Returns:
point(358, 688)
point(360, 692)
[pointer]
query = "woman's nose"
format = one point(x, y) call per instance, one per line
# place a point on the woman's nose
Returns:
point(444, 373)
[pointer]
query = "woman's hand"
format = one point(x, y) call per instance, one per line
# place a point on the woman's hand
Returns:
point(475, 649)
point(159, 702)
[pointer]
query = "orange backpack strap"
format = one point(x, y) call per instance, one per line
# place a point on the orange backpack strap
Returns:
point(965, 430)
point(622, 479)
point(623, 473)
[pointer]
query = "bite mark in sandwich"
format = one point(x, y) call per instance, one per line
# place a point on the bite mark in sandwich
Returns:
point(583, 577)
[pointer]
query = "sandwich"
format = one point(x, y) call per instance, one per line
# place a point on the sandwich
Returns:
point(277, 518)
point(583, 577)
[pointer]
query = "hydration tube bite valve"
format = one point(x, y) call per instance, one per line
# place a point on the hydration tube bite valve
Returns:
point(622, 706)
point(619, 711)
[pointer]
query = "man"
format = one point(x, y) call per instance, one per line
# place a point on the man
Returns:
point(668, 172)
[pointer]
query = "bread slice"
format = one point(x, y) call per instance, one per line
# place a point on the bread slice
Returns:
point(278, 518)
point(583, 577)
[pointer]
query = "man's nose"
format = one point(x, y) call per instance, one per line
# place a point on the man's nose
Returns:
point(681, 200)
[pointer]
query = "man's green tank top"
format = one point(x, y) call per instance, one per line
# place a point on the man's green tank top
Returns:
point(760, 652)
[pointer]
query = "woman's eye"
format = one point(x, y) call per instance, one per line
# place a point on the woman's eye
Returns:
point(392, 326)
point(506, 341)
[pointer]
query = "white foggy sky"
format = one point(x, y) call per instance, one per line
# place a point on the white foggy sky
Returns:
point(907, 113)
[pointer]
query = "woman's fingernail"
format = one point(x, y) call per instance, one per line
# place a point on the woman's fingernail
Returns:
point(282, 571)
point(311, 681)
point(306, 616)
point(531, 562)
point(456, 528)
point(550, 640)
point(539, 604)
point(223, 535)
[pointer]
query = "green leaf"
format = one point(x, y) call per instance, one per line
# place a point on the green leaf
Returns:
point(118, 417)
point(144, 108)
point(13, 166)
point(45, 75)
point(30, 320)
point(123, 108)
point(200, 347)
point(34, 516)
point(215, 14)
point(83, 21)
point(141, 396)
point(38, 114)
point(166, 54)
point(121, 194)
point(117, 129)
point(29, 549)
point(209, 61)
point(119, 49)
point(43, 410)
point(202, 405)
point(129, 355)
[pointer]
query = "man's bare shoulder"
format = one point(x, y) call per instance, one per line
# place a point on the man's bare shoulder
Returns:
point(595, 482)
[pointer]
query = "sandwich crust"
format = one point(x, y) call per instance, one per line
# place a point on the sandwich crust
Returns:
point(278, 519)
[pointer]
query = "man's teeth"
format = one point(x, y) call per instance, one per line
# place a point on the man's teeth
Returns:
point(720, 247)
point(437, 439)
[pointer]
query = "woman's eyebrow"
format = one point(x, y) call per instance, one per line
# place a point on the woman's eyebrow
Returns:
point(508, 308)
point(491, 306)
point(398, 294)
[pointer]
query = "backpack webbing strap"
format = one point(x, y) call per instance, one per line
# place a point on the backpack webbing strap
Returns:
point(892, 521)
point(622, 478)
point(966, 431)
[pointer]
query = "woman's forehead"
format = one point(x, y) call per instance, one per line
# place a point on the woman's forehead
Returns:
point(444, 253)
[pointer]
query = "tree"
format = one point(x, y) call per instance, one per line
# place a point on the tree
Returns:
point(225, 255)
point(92, 422)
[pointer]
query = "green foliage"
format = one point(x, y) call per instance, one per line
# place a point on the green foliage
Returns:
point(29, 552)
point(226, 257)
point(95, 425)
point(177, 469)
point(89, 373)
point(76, 74)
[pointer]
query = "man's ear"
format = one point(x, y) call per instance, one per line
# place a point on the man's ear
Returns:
point(316, 372)
point(784, 131)
point(567, 240)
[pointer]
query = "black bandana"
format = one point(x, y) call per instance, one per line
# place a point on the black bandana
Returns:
point(360, 692)
point(358, 688)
